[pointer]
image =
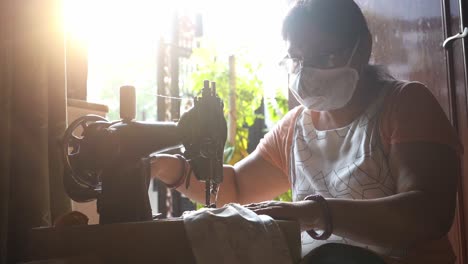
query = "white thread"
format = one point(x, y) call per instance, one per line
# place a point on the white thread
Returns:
point(169, 97)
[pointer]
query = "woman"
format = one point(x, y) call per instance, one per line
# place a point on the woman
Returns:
point(372, 161)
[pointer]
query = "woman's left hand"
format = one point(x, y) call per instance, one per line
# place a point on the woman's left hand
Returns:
point(275, 209)
point(303, 211)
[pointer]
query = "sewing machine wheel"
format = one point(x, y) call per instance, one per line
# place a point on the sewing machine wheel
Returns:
point(82, 185)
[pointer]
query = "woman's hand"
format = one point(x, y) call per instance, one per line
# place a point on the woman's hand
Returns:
point(305, 212)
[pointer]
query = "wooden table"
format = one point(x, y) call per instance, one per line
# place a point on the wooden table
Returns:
point(161, 241)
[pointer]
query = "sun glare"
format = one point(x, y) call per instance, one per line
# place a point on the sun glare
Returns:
point(126, 32)
point(110, 25)
point(233, 23)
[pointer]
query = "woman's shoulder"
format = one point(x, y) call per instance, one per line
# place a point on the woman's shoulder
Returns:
point(294, 112)
point(402, 96)
point(289, 118)
point(398, 89)
point(412, 113)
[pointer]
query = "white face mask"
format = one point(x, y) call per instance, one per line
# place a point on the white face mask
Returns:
point(325, 89)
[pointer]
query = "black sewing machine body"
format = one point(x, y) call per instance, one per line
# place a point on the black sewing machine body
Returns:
point(110, 161)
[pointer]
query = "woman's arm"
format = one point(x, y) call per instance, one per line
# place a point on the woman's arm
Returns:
point(426, 176)
point(422, 209)
point(251, 180)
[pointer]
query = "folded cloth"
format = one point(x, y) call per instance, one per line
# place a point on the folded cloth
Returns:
point(234, 234)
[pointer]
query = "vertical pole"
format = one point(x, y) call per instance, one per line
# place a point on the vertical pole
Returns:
point(175, 55)
point(173, 197)
point(161, 114)
point(232, 101)
point(161, 63)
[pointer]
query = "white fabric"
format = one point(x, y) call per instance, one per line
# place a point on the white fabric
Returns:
point(234, 234)
point(347, 163)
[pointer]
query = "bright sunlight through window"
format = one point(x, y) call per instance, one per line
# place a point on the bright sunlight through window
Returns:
point(122, 39)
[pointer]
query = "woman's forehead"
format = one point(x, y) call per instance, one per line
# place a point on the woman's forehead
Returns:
point(312, 40)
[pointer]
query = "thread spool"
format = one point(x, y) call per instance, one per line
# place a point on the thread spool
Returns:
point(127, 103)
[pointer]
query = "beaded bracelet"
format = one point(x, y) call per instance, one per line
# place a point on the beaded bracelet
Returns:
point(327, 218)
point(183, 174)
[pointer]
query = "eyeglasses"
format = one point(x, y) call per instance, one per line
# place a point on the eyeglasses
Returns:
point(322, 61)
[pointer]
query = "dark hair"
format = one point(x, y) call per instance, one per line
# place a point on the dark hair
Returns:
point(377, 73)
point(342, 18)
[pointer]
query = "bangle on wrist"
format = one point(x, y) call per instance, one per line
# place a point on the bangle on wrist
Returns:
point(327, 218)
point(183, 173)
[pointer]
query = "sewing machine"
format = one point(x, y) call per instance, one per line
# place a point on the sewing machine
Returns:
point(110, 161)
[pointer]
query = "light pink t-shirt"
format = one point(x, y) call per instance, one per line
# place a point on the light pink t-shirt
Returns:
point(409, 113)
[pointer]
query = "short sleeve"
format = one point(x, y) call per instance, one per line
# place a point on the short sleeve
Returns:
point(276, 144)
point(412, 113)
